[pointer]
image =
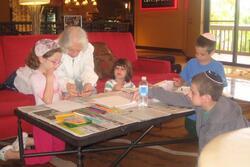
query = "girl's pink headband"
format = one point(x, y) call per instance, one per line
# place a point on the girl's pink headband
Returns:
point(45, 45)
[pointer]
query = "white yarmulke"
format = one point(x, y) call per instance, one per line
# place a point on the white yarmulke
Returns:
point(209, 36)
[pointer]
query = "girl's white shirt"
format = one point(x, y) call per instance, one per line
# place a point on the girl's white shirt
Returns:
point(22, 80)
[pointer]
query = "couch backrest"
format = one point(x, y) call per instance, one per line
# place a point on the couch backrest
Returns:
point(17, 48)
point(121, 44)
point(2, 65)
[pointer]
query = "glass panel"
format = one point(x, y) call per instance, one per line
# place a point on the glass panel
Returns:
point(222, 16)
point(243, 53)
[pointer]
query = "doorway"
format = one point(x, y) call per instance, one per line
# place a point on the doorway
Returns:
point(229, 21)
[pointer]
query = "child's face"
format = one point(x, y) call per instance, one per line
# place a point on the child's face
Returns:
point(53, 61)
point(202, 54)
point(120, 72)
point(195, 95)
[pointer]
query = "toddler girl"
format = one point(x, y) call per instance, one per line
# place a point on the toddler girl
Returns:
point(121, 76)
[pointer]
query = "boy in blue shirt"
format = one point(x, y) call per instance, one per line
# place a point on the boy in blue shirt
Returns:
point(203, 61)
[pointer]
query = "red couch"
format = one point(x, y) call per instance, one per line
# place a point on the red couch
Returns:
point(14, 49)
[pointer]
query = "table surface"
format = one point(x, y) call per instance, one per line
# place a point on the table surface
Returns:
point(100, 136)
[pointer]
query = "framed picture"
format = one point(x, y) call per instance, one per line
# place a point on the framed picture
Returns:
point(72, 20)
point(158, 4)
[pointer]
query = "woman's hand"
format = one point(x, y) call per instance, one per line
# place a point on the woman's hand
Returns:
point(71, 89)
point(87, 90)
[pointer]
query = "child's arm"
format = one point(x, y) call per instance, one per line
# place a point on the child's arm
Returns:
point(49, 88)
point(170, 98)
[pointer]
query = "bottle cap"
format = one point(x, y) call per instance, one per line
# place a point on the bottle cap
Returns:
point(144, 78)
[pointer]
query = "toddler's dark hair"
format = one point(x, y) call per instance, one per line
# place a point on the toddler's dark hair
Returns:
point(127, 65)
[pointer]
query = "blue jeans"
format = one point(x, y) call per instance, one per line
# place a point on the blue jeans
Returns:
point(9, 82)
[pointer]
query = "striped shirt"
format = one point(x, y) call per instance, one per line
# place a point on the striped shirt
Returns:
point(109, 85)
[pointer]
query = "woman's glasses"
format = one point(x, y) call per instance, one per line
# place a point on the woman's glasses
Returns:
point(214, 77)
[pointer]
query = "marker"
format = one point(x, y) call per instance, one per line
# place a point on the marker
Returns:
point(103, 108)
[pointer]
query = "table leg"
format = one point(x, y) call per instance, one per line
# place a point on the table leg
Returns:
point(20, 140)
point(79, 157)
point(132, 145)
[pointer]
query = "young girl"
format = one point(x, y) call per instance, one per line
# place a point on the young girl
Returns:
point(44, 59)
point(121, 76)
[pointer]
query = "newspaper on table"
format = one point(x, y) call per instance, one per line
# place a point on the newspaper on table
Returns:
point(100, 121)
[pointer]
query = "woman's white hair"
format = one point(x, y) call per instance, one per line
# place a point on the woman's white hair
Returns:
point(73, 34)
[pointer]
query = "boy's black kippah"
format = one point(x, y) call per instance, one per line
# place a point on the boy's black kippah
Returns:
point(214, 77)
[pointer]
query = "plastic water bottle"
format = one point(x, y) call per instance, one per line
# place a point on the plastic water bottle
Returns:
point(143, 92)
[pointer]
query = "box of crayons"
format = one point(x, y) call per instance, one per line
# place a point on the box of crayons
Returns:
point(72, 119)
point(75, 121)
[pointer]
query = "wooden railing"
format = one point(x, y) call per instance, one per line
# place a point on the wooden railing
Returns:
point(20, 28)
point(224, 36)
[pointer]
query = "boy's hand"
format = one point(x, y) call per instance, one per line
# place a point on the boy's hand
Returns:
point(178, 82)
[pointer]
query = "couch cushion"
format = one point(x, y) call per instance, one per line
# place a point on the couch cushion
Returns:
point(2, 65)
point(104, 60)
point(10, 100)
point(121, 44)
point(11, 130)
point(100, 85)
point(17, 48)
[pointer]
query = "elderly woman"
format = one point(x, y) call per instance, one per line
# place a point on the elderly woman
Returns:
point(76, 73)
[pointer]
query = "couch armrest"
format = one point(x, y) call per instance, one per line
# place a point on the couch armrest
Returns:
point(152, 66)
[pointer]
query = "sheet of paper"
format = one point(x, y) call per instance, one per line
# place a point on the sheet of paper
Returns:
point(66, 106)
point(166, 84)
point(28, 109)
point(115, 101)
